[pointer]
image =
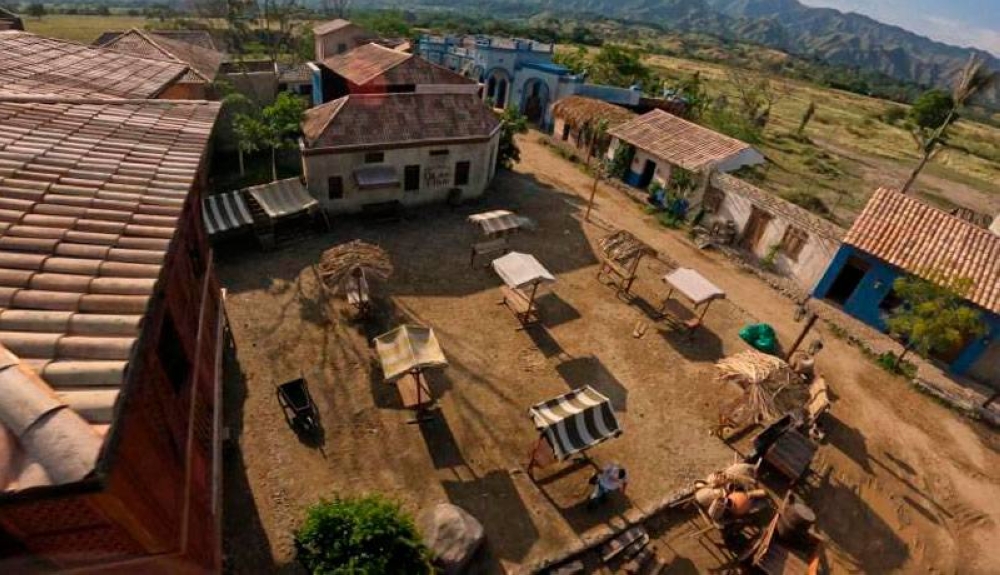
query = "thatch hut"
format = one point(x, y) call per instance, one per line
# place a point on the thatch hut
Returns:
point(575, 119)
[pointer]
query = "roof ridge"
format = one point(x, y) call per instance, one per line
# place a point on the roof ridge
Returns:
point(55, 99)
point(147, 36)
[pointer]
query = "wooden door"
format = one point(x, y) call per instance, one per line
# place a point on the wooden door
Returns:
point(755, 228)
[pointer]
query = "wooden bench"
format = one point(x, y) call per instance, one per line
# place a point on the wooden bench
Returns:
point(518, 302)
point(497, 246)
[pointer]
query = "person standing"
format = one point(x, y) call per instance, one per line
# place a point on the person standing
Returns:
point(610, 479)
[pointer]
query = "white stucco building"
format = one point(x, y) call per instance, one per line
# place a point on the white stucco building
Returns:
point(377, 151)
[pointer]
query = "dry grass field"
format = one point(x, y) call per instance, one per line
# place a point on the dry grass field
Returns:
point(83, 29)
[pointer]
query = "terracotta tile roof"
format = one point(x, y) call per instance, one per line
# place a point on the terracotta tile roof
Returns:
point(793, 214)
point(375, 63)
point(203, 63)
point(331, 26)
point(90, 193)
point(200, 38)
point(388, 119)
point(925, 241)
point(578, 110)
point(678, 141)
point(33, 65)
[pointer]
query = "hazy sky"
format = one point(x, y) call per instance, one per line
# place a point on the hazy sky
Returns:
point(961, 22)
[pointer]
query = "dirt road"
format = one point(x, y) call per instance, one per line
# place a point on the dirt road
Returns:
point(907, 485)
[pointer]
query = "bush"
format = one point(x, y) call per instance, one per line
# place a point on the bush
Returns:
point(889, 362)
point(367, 535)
point(893, 115)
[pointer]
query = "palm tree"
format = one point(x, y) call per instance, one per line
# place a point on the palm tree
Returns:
point(975, 78)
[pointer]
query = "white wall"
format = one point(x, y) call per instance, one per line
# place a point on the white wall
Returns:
point(995, 228)
point(662, 174)
point(437, 174)
point(813, 260)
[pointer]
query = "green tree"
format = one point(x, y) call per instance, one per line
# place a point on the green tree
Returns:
point(276, 127)
point(933, 316)
point(37, 10)
point(577, 61)
point(935, 112)
point(102, 10)
point(512, 122)
point(696, 97)
point(361, 536)
point(619, 66)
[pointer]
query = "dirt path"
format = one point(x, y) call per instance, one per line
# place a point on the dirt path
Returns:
point(906, 485)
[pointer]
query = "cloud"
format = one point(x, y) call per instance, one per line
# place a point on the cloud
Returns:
point(961, 33)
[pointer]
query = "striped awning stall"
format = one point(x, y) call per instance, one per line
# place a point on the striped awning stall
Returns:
point(499, 222)
point(283, 197)
point(576, 421)
point(408, 348)
point(225, 212)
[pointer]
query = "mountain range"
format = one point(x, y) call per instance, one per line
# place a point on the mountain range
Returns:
point(843, 39)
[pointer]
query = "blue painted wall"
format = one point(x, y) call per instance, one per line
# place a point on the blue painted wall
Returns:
point(875, 285)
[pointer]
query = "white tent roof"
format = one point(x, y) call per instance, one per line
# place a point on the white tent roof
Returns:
point(499, 221)
point(406, 348)
point(519, 270)
point(693, 285)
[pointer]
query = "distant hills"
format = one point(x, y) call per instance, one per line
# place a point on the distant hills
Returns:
point(841, 39)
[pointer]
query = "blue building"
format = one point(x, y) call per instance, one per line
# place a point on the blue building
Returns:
point(897, 235)
point(518, 72)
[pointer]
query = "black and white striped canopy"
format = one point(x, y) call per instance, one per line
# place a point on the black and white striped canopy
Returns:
point(576, 421)
point(225, 212)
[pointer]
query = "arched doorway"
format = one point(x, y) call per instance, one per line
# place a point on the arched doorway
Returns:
point(536, 100)
point(497, 87)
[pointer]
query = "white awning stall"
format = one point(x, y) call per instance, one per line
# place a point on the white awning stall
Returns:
point(227, 212)
point(283, 198)
point(520, 272)
point(500, 222)
point(693, 286)
point(409, 350)
point(572, 423)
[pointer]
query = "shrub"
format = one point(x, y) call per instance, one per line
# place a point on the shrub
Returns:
point(891, 363)
point(367, 535)
point(894, 114)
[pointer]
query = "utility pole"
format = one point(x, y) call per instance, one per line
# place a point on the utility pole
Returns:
point(802, 312)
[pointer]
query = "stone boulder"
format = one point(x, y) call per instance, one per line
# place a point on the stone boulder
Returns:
point(452, 535)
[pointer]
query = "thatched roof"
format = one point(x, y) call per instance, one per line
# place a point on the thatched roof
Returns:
point(340, 263)
point(578, 111)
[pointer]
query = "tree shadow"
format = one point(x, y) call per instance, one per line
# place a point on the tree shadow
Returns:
point(494, 500)
point(589, 370)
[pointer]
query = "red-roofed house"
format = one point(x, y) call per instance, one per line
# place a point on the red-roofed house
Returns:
point(339, 36)
point(375, 69)
point(110, 339)
point(898, 235)
point(372, 150)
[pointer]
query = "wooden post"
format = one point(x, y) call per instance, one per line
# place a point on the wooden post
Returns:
point(531, 300)
point(593, 192)
point(802, 336)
